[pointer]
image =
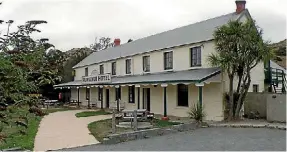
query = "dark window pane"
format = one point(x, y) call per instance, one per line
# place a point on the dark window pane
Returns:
point(100, 94)
point(118, 93)
point(101, 69)
point(195, 56)
point(146, 64)
point(114, 68)
point(86, 71)
point(168, 63)
point(182, 95)
point(87, 93)
point(131, 94)
point(255, 87)
point(128, 66)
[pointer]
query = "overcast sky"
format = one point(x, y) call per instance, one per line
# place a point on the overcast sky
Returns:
point(75, 23)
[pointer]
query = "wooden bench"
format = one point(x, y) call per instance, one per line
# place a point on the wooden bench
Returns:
point(128, 115)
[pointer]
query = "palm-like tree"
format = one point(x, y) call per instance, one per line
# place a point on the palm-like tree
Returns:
point(239, 48)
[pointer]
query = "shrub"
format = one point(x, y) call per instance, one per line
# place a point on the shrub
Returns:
point(196, 112)
point(37, 111)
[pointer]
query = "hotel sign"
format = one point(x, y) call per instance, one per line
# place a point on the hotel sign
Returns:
point(103, 78)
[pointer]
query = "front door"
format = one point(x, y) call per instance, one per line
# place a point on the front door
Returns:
point(107, 98)
point(146, 99)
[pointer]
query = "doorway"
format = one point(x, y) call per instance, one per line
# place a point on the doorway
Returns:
point(107, 98)
point(146, 99)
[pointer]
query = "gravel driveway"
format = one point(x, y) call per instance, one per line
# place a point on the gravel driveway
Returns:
point(216, 139)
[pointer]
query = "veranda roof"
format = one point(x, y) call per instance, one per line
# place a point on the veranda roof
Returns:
point(193, 75)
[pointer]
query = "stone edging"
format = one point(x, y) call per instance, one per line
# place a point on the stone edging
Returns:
point(248, 126)
point(143, 134)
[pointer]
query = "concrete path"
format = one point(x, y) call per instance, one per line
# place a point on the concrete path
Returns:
point(63, 129)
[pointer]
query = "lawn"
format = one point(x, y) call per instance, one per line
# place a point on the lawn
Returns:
point(100, 129)
point(52, 109)
point(92, 113)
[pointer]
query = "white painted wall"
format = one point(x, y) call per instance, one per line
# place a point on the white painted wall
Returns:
point(181, 61)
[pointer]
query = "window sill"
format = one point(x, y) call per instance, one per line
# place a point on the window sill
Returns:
point(182, 107)
point(195, 67)
point(168, 70)
point(148, 72)
point(128, 74)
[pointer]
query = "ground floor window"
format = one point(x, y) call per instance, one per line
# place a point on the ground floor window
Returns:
point(182, 95)
point(100, 94)
point(87, 93)
point(118, 93)
point(131, 94)
point(255, 87)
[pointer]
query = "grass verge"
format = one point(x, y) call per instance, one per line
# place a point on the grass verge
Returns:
point(12, 132)
point(163, 123)
point(14, 137)
point(91, 113)
point(100, 129)
point(51, 109)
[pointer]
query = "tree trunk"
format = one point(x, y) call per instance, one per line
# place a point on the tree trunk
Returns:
point(239, 83)
point(243, 94)
point(231, 102)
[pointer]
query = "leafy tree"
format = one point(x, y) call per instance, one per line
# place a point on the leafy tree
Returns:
point(25, 67)
point(239, 48)
point(72, 59)
point(101, 44)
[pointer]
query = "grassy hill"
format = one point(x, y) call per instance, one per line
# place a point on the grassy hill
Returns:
point(280, 52)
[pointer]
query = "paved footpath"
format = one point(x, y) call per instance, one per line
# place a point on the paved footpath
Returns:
point(63, 130)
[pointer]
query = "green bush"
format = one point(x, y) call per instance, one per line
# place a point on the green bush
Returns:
point(197, 112)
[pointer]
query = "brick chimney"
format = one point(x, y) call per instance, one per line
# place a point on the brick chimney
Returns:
point(117, 42)
point(240, 6)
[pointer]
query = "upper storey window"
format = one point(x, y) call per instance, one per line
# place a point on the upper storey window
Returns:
point(86, 71)
point(128, 66)
point(102, 69)
point(146, 63)
point(114, 68)
point(195, 56)
point(168, 60)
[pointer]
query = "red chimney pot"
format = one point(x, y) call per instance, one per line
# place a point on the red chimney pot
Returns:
point(117, 42)
point(240, 6)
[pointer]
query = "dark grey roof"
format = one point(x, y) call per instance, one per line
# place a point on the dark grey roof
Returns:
point(194, 75)
point(193, 33)
point(72, 83)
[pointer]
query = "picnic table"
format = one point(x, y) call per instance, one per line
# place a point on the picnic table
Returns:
point(50, 102)
point(129, 115)
point(134, 116)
